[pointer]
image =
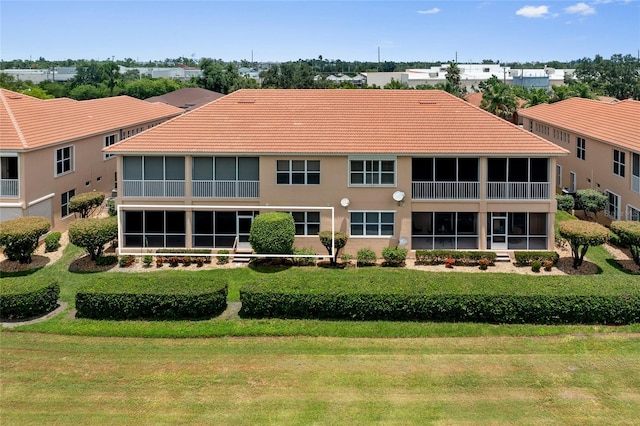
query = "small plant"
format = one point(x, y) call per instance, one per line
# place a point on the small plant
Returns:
point(304, 261)
point(126, 261)
point(186, 261)
point(52, 242)
point(222, 257)
point(199, 261)
point(160, 261)
point(449, 262)
point(548, 265)
point(346, 258)
point(536, 265)
point(394, 256)
point(111, 207)
point(147, 259)
point(106, 260)
point(366, 257)
point(174, 261)
point(484, 263)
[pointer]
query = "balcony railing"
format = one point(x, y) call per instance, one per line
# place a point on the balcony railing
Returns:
point(225, 188)
point(518, 190)
point(153, 188)
point(9, 187)
point(445, 190)
point(635, 183)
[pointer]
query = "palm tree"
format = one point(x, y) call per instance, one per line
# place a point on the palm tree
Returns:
point(499, 100)
point(536, 97)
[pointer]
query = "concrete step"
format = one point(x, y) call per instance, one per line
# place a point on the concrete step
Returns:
point(503, 256)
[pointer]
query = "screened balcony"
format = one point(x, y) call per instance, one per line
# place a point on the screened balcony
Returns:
point(9, 181)
point(518, 179)
point(153, 177)
point(445, 178)
point(225, 177)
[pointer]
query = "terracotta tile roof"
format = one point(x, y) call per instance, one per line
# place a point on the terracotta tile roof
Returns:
point(28, 123)
point(617, 123)
point(187, 98)
point(338, 122)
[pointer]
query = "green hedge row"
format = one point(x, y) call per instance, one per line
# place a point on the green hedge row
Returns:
point(436, 297)
point(526, 258)
point(27, 297)
point(462, 258)
point(153, 296)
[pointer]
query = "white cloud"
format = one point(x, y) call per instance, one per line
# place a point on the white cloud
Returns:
point(533, 11)
point(429, 12)
point(580, 9)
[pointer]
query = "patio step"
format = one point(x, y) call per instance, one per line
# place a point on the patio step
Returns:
point(503, 256)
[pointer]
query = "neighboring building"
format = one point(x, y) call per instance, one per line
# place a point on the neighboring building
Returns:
point(471, 75)
point(421, 169)
point(182, 73)
point(51, 149)
point(188, 98)
point(604, 143)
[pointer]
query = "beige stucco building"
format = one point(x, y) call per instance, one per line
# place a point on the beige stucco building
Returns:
point(421, 169)
point(604, 143)
point(51, 149)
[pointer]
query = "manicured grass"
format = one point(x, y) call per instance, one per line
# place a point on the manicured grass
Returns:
point(52, 379)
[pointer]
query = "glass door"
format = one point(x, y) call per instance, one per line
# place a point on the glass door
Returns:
point(499, 233)
point(245, 219)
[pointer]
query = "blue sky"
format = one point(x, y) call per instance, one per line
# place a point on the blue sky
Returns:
point(353, 30)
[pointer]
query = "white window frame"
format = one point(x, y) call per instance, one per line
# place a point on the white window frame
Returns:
point(65, 206)
point(573, 183)
point(290, 172)
point(379, 172)
point(632, 213)
point(72, 160)
point(558, 175)
point(108, 141)
point(619, 163)
point(616, 207)
point(379, 224)
point(581, 148)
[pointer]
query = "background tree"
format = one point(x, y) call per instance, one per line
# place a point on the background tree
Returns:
point(590, 201)
point(453, 79)
point(218, 76)
point(618, 77)
point(498, 99)
point(110, 75)
point(397, 85)
point(581, 235)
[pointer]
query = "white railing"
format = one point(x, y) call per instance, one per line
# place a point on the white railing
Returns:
point(225, 188)
point(518, 190)
point(153, 188)
point(9, 187)
point(635, 183)
point(445, 190)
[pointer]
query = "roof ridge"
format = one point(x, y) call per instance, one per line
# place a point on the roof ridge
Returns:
point(12, 117)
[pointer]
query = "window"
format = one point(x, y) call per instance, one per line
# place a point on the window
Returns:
point(64, 202)
point(581, 148)
point(307, 223)
point(154, 228)
point(64, 160)
point(444, 169)
point(108, 141)
point(444, 230)
point(612, 210)
point(298, 172)
point(633, 213)
point(572, 181)
point(377, 224)
point(372, 172)
point(9, 185)
point(559, 175)
point(618, 163)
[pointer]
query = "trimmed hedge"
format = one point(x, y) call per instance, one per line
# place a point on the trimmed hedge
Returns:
point(526, 258)
point(153, 296)
point(445, 297)
point(86, 203)
point(20, 236)
point(26, 298)
point(462, 258)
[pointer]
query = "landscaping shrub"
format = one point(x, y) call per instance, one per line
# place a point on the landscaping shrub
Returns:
point(52, 242)
point(566, 203)
point(19, 237)
point(106, 260)
point(536, 265)
point(339, 241)
point(272, 233)
point(222, 260)
point(151, 296)
point(22, 297)
point(461, 258)
point(581, 235)
point(93, 233)
point(629, 234)
point(394, 256)
point(304, 261)
point(86, 203)
point(526, 258)
point(366, 257)
point(147, 259)
point(111, 207)
point(411, 296)
point(126, 261)
point(590, 201)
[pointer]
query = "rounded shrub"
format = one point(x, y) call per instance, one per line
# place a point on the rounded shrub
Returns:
point(394, 256)
point(52, 241)
point(19, 236)
point(84, 204)
point(93, 233)
point(581, 235)
point(366, 257)
point(536, 265)
point(272, 233)
point(566, 203)
point(628, 234)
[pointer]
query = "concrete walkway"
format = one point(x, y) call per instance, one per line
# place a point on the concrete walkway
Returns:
point(10, 324)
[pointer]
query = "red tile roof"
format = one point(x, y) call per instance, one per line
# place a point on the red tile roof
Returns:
point(29, 123)
point(187, 98)
point(338, 122)
point(616, 123)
